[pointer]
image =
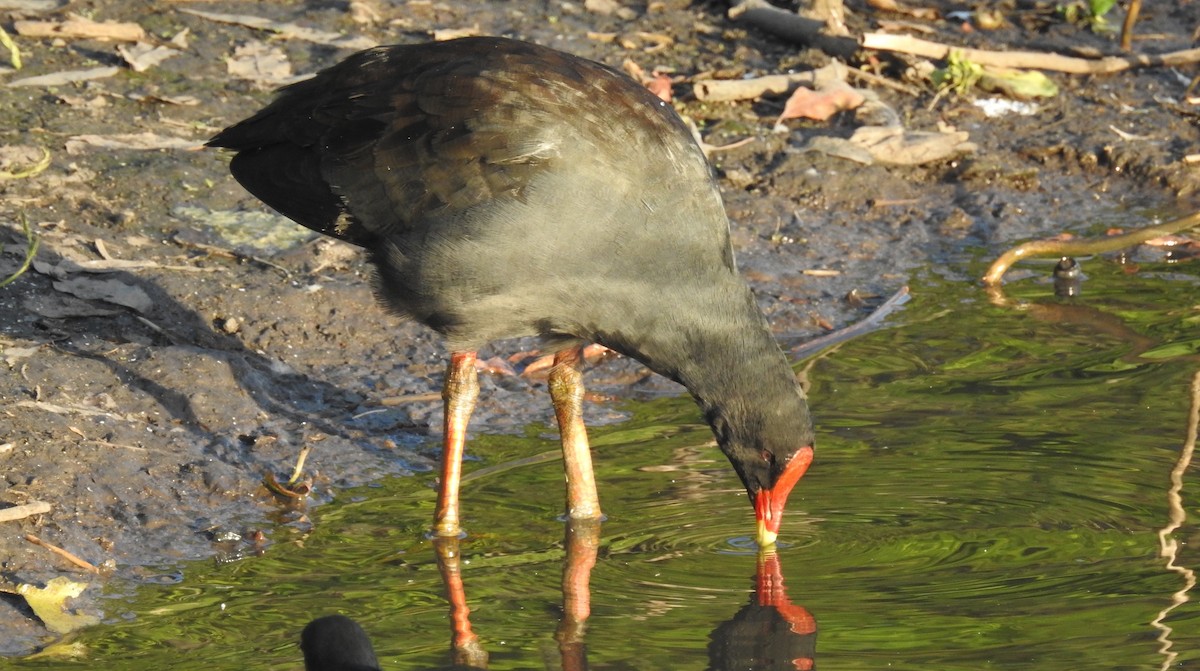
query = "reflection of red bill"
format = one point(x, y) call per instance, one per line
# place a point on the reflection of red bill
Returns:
point(768, 503)
point(771, 593)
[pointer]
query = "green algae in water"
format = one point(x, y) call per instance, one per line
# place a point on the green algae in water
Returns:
point(989, 488)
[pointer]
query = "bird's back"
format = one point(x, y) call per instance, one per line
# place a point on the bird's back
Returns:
point(503, 188)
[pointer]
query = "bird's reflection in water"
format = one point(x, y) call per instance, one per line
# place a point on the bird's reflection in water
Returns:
point(582, 544)
point(768, 633)
point(466, 652)
point(337, 643)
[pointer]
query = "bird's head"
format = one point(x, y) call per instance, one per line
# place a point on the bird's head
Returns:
point(769, 500)
point(770, 457)
point(769, 477)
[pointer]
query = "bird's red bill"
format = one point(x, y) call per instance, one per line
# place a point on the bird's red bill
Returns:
point(768, 504)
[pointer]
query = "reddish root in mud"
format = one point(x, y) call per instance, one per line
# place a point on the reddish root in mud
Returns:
point(1060, 248)
point(69, 556)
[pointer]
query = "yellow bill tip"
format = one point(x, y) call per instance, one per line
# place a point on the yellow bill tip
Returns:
point(766, 537)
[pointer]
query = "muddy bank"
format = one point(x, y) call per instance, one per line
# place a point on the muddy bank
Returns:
point(145, 403)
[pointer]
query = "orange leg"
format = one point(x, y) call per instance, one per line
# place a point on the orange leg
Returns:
point(566, 392)
point(583, 545)
point(465, 648)
point(459, 393)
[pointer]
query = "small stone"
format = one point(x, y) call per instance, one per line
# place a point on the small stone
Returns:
point(602, 7)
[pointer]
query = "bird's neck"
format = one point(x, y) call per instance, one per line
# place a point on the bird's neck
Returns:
point(734, 368)
point(748, 392)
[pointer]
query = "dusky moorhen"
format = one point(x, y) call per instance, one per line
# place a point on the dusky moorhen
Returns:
point(337, 643)
point(505, 189)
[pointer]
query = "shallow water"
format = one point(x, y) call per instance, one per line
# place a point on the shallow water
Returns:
point(990, 485)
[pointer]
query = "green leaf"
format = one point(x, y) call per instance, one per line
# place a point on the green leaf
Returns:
point(1019, 84)
point(49, 603)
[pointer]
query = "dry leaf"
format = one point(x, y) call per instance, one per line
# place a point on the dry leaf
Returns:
point(13, 355)
point(142, 56)
point(805, 103)
point(896, 146)
point(660, 85)
point(109, 291)
point(65, 77)
point(180, 40)
point(266, 66)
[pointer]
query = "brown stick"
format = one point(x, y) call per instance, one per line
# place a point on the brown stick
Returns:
point(24, 510)
point(792, 27)
point(1029, 60)
point(1112, 243)
point(1131, 16)
point(747, 89)
point(81, 28)
point(81, 563)
point(870, 323)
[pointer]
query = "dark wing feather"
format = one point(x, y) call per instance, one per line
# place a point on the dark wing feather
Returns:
point(370, 146)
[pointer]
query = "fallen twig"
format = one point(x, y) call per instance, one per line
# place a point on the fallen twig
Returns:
point(81, 28)
point(884, 81)
point(1027, 60)
point(1059, 248)
point(24, 510)
point(392, 401)
point(1131, 15)
point(232, 254)
point(287, 30)
point(81, 563)
point(792, 27)
point(858, 328)
point(71, 409)
point(66, 77)
point(710, 90)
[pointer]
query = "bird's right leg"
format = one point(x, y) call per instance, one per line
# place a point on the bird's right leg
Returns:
point(459, 394)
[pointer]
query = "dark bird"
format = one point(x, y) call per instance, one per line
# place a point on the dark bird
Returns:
point(337, 643)
point(504, 189)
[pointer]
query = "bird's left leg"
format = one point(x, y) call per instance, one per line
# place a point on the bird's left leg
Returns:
point(566, 392)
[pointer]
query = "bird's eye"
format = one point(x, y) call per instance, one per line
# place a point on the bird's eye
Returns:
point(766, 456)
